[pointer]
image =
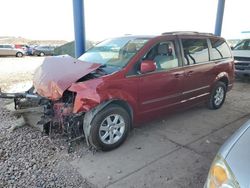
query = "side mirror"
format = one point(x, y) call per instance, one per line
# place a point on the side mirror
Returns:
point(147, 66)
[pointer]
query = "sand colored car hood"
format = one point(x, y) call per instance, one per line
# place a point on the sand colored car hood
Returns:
point(56, 74)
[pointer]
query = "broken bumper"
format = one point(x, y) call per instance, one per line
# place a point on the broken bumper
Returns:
point(50, 117)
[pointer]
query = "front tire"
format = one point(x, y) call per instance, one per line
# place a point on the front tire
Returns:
point(110, 128)
point(19, 54)
point(42, 54)
point(218, 96)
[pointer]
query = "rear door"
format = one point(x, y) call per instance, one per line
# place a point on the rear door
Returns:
point(199, 71)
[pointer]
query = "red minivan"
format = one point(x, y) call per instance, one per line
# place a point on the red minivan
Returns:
point(124, 81)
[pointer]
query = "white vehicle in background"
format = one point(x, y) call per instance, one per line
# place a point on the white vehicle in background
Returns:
point(10, 50)
point(241, 53)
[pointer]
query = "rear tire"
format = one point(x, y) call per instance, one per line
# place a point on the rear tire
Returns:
point(218, 96)
point(110, 128)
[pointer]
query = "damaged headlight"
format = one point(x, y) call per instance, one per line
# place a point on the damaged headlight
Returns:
point(220, 175)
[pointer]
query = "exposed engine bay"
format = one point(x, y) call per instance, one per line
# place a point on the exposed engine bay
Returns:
point(51, 95)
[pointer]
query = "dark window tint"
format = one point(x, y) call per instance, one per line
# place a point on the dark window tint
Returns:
point(195, 51)
point(1, 46)
point(220, 49)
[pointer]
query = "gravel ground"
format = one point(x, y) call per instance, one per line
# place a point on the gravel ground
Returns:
point(28, 158)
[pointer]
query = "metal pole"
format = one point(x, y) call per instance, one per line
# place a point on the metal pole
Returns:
point(79, 27)
point(219, 17)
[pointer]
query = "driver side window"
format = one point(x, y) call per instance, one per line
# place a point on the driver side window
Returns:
point(164, 56)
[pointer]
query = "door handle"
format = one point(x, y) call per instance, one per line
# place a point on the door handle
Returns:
point(178, 75)
point(189, 73)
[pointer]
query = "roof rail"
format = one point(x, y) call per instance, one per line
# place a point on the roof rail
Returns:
point(186, 32)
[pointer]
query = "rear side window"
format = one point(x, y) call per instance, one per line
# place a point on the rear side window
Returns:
point(220, 49)
point(195, 51)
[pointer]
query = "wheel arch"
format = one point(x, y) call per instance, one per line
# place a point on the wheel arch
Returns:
point(18, 52)
point(41, 52)
point(222, 77)
point(124, 105)
point(224, 80)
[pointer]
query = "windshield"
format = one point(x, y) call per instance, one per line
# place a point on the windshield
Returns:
point(242, 45)
point(114, 52)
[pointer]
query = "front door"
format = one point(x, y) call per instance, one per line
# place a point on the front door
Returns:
point(162, 88)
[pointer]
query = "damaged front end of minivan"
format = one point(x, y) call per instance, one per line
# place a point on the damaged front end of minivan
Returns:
point(65, 89)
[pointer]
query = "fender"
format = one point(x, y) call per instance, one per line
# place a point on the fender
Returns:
point(90, 94)
point(91, 98)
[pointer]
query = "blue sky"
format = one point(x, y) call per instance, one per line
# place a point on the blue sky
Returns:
point(53, 19)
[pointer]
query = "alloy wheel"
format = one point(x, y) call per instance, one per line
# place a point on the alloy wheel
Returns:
point(219, 96)
point(112, 129)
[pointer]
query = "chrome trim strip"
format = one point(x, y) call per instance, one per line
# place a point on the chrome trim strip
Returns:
point(193, 90)
point(173, 96)
point(161, 107)
point(176, 103)
point(161, 98)
point(192, 98)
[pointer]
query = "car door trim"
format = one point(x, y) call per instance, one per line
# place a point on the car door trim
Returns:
point(161, 98)
point(192, 98)
point(175, 95)
point(176, 103)
point(197, 89)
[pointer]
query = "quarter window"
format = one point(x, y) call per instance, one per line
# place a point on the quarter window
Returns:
point(220, 49)
point(195, 51)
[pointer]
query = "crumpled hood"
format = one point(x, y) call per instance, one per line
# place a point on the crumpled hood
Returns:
point(57, 73)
